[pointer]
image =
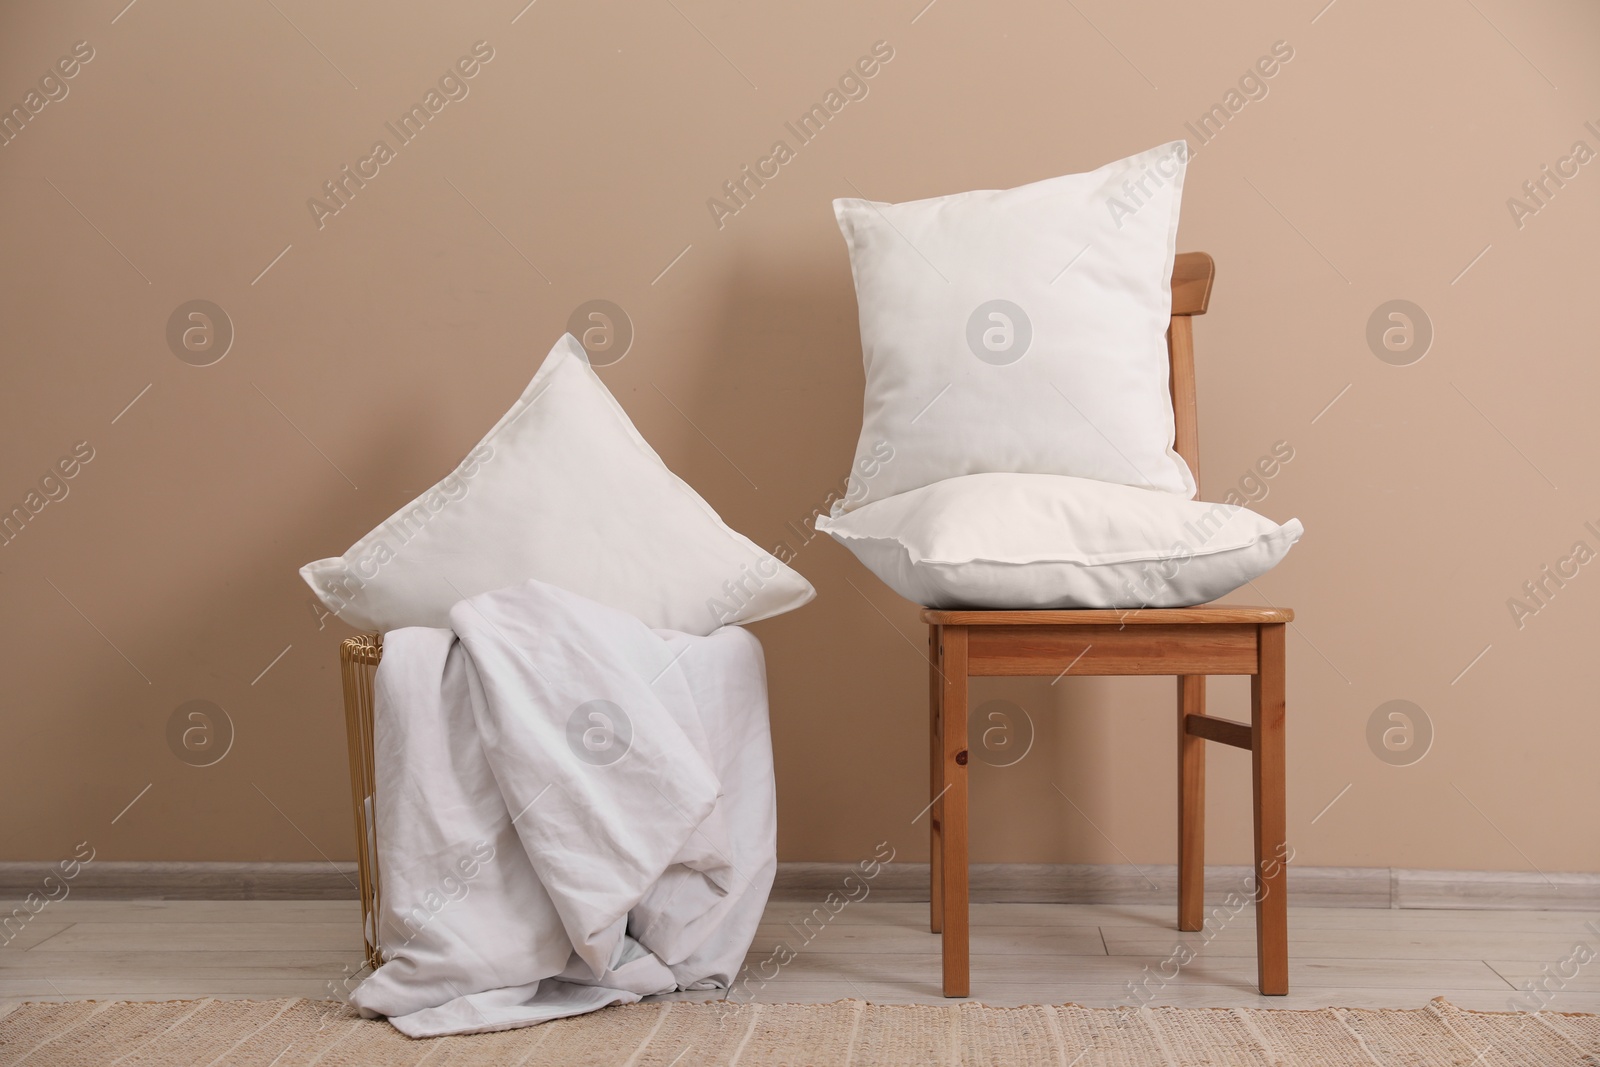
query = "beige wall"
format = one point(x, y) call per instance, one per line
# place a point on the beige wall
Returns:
point(381, 345)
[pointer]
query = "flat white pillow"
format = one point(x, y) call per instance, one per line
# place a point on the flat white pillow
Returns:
point(1021, 330)
point(1039, 541)
point(563, 489)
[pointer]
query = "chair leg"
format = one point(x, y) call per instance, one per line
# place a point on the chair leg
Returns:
point(953, 810)
point(1191, 805)
point(1267, 709)
point(935, 785)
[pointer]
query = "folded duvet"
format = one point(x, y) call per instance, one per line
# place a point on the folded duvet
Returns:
point(571, 810)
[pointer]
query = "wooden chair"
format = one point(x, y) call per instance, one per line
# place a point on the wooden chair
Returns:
point(1188, 642)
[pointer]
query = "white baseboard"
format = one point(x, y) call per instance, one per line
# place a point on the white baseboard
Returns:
point(163, 880)
point(1316, 887)
point(1051, 883)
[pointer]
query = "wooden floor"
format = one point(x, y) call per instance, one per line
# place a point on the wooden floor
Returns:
point(883, 952)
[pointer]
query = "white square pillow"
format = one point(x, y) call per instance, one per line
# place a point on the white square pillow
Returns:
point(1042, 541)
point(1021, 330)
point(563, 489)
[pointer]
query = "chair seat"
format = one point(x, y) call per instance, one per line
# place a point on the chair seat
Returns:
point(1205, 614)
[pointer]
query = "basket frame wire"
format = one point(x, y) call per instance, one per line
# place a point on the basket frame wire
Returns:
point(358, 667)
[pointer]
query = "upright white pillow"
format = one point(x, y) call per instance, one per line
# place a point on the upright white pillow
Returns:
point(1021, 330)
point(563, 489)
point(1043, 541)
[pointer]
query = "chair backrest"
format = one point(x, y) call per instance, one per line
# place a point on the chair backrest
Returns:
point(1192, 273)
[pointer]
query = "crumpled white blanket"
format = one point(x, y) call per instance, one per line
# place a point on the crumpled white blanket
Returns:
point(571, 810)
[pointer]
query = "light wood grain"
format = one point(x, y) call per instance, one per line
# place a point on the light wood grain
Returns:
point(1156, 919)
point(112, 965)
point(30, 934)
point(1175, 995)
point(1024, 954)
point(1222, 731)
point(1192, 276)
point(1464, 923)
point(1047, 972)
point(229, 937)
point(952, 808)
point(1191, 804)
point(1209, 615)
point(1546, 972)
point(1181, 384)
point(1238, 940)
point(1018, 651)
point(138, 987)
point(1267, 712)
point(877, 938)
point(935, 782)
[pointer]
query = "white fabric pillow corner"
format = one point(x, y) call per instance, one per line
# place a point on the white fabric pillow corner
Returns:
point(565, 490)
point(1040, 541)
point(1021, 330)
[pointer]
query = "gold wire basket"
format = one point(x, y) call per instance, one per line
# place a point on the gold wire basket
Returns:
point(358, 664)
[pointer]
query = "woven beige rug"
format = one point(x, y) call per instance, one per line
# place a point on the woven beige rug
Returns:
point(288, 1033)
